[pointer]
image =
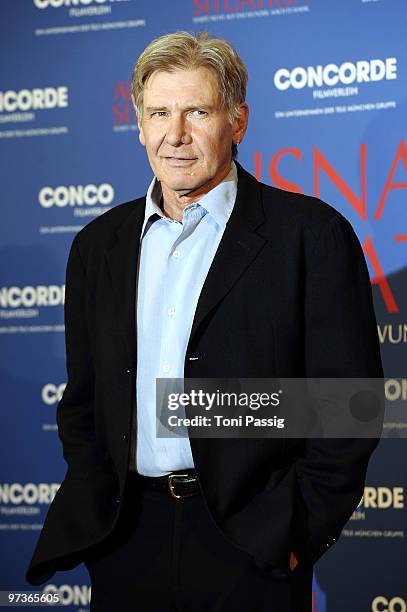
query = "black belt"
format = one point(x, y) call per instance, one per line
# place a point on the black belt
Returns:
point(180, 484)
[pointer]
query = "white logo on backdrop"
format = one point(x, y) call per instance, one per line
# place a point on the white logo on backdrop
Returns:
point(76, 195)
point(33, 99)
point(51, 394)
point(330, 75)
point(30, 296)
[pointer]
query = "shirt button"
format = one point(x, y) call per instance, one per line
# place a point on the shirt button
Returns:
point(166, 368)
point(176, 253)
point(171, 311)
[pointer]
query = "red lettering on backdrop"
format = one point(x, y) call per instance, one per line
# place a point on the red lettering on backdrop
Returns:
point(202, 6)
point(205, 7)
point(401, 154)
point(251, 3)
point(206, 4)
point(275, 176)
point(359, 204)
point(380, 278)
point(258, 158)
point(123, 111)
point(315, 601)
point(123, 91)
point(229, 9)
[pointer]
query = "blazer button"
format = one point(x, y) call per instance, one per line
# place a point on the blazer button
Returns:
point(125, 437)
point(118, 500)
point(128, 371)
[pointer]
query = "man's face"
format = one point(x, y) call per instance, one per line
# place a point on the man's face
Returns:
point(185, 130)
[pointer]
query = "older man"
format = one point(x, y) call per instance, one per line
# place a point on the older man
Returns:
point(210, 275)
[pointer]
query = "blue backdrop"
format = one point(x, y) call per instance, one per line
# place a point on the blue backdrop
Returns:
point(327, 94)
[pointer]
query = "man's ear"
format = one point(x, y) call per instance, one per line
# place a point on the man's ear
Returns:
point(141, 133)
point(240, 124)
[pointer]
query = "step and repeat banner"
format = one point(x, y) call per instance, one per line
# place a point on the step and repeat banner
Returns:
point(328, 112)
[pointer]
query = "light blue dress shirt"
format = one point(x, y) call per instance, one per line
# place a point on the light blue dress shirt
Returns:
point(175, 258)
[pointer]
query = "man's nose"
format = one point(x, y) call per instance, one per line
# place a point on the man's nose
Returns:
point(178, 131)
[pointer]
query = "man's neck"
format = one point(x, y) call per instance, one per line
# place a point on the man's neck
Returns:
point(172, 203)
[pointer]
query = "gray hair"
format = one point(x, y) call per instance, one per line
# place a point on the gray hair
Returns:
point(182, 50)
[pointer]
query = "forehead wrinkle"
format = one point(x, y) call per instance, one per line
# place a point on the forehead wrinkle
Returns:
point(184, 107)
point(205, 85)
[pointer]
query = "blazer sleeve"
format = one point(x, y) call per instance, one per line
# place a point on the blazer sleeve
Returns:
point(341, 342)
point(75, 411)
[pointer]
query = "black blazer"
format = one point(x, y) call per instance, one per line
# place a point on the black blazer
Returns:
point(287, 295)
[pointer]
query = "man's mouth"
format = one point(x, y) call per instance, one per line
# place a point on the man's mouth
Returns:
point(180, 162)
point(181, 158)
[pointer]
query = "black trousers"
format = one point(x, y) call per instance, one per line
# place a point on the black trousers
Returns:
point(168, 555)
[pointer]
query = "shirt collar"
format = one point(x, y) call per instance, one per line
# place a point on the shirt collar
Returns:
point(218, 202)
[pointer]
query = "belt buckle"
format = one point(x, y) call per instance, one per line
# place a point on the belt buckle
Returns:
point(171, 478)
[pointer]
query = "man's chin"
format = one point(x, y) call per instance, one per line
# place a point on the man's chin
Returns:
point(185, 189)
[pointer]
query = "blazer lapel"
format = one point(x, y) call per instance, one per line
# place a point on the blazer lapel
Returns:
point(122, 260)
point(238, 247)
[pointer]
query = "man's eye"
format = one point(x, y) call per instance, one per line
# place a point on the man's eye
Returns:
point(198, 112)
point(159, 113)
